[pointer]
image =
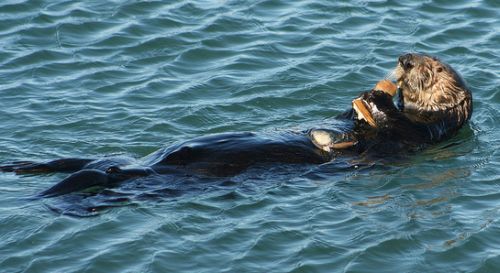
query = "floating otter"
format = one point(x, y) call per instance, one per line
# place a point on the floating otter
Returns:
point(433, 103)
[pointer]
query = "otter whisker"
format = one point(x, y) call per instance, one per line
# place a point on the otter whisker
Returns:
point(391, 75)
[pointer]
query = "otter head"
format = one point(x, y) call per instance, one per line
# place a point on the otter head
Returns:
point(432, 90)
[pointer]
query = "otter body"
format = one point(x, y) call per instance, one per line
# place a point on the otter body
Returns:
point(433, 103)
point(230, 153)
point(215, 155)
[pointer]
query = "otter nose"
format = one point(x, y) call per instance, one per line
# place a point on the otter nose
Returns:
point(406, 61)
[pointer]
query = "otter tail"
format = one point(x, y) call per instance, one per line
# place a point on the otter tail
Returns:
point(59, 165)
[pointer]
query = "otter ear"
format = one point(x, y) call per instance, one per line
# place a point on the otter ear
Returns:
point(439, 69)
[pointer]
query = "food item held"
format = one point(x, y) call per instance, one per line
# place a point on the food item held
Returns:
point(361, 107)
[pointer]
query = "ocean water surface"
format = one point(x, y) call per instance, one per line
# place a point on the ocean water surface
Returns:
point(94, 78)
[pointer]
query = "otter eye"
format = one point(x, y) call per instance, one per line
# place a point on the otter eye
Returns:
point(408, 66)
point(440, 69)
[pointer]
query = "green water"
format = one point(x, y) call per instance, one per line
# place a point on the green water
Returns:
point(94, 78)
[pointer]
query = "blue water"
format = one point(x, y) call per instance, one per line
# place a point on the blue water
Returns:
point(94, 78)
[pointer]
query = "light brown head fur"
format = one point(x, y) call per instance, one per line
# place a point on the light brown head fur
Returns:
point(432, 90)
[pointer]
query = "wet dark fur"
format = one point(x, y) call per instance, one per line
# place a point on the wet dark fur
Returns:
point(434, 103)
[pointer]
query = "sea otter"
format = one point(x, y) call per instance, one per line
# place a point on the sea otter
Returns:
point(433, 103)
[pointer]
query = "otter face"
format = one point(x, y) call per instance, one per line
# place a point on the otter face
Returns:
point(431, 87)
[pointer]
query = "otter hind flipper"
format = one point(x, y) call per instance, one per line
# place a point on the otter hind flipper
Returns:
point(78, 181)
point(89, 178)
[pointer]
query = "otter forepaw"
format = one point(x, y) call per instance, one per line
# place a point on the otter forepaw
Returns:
point(381, 99)
point(328, 140)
